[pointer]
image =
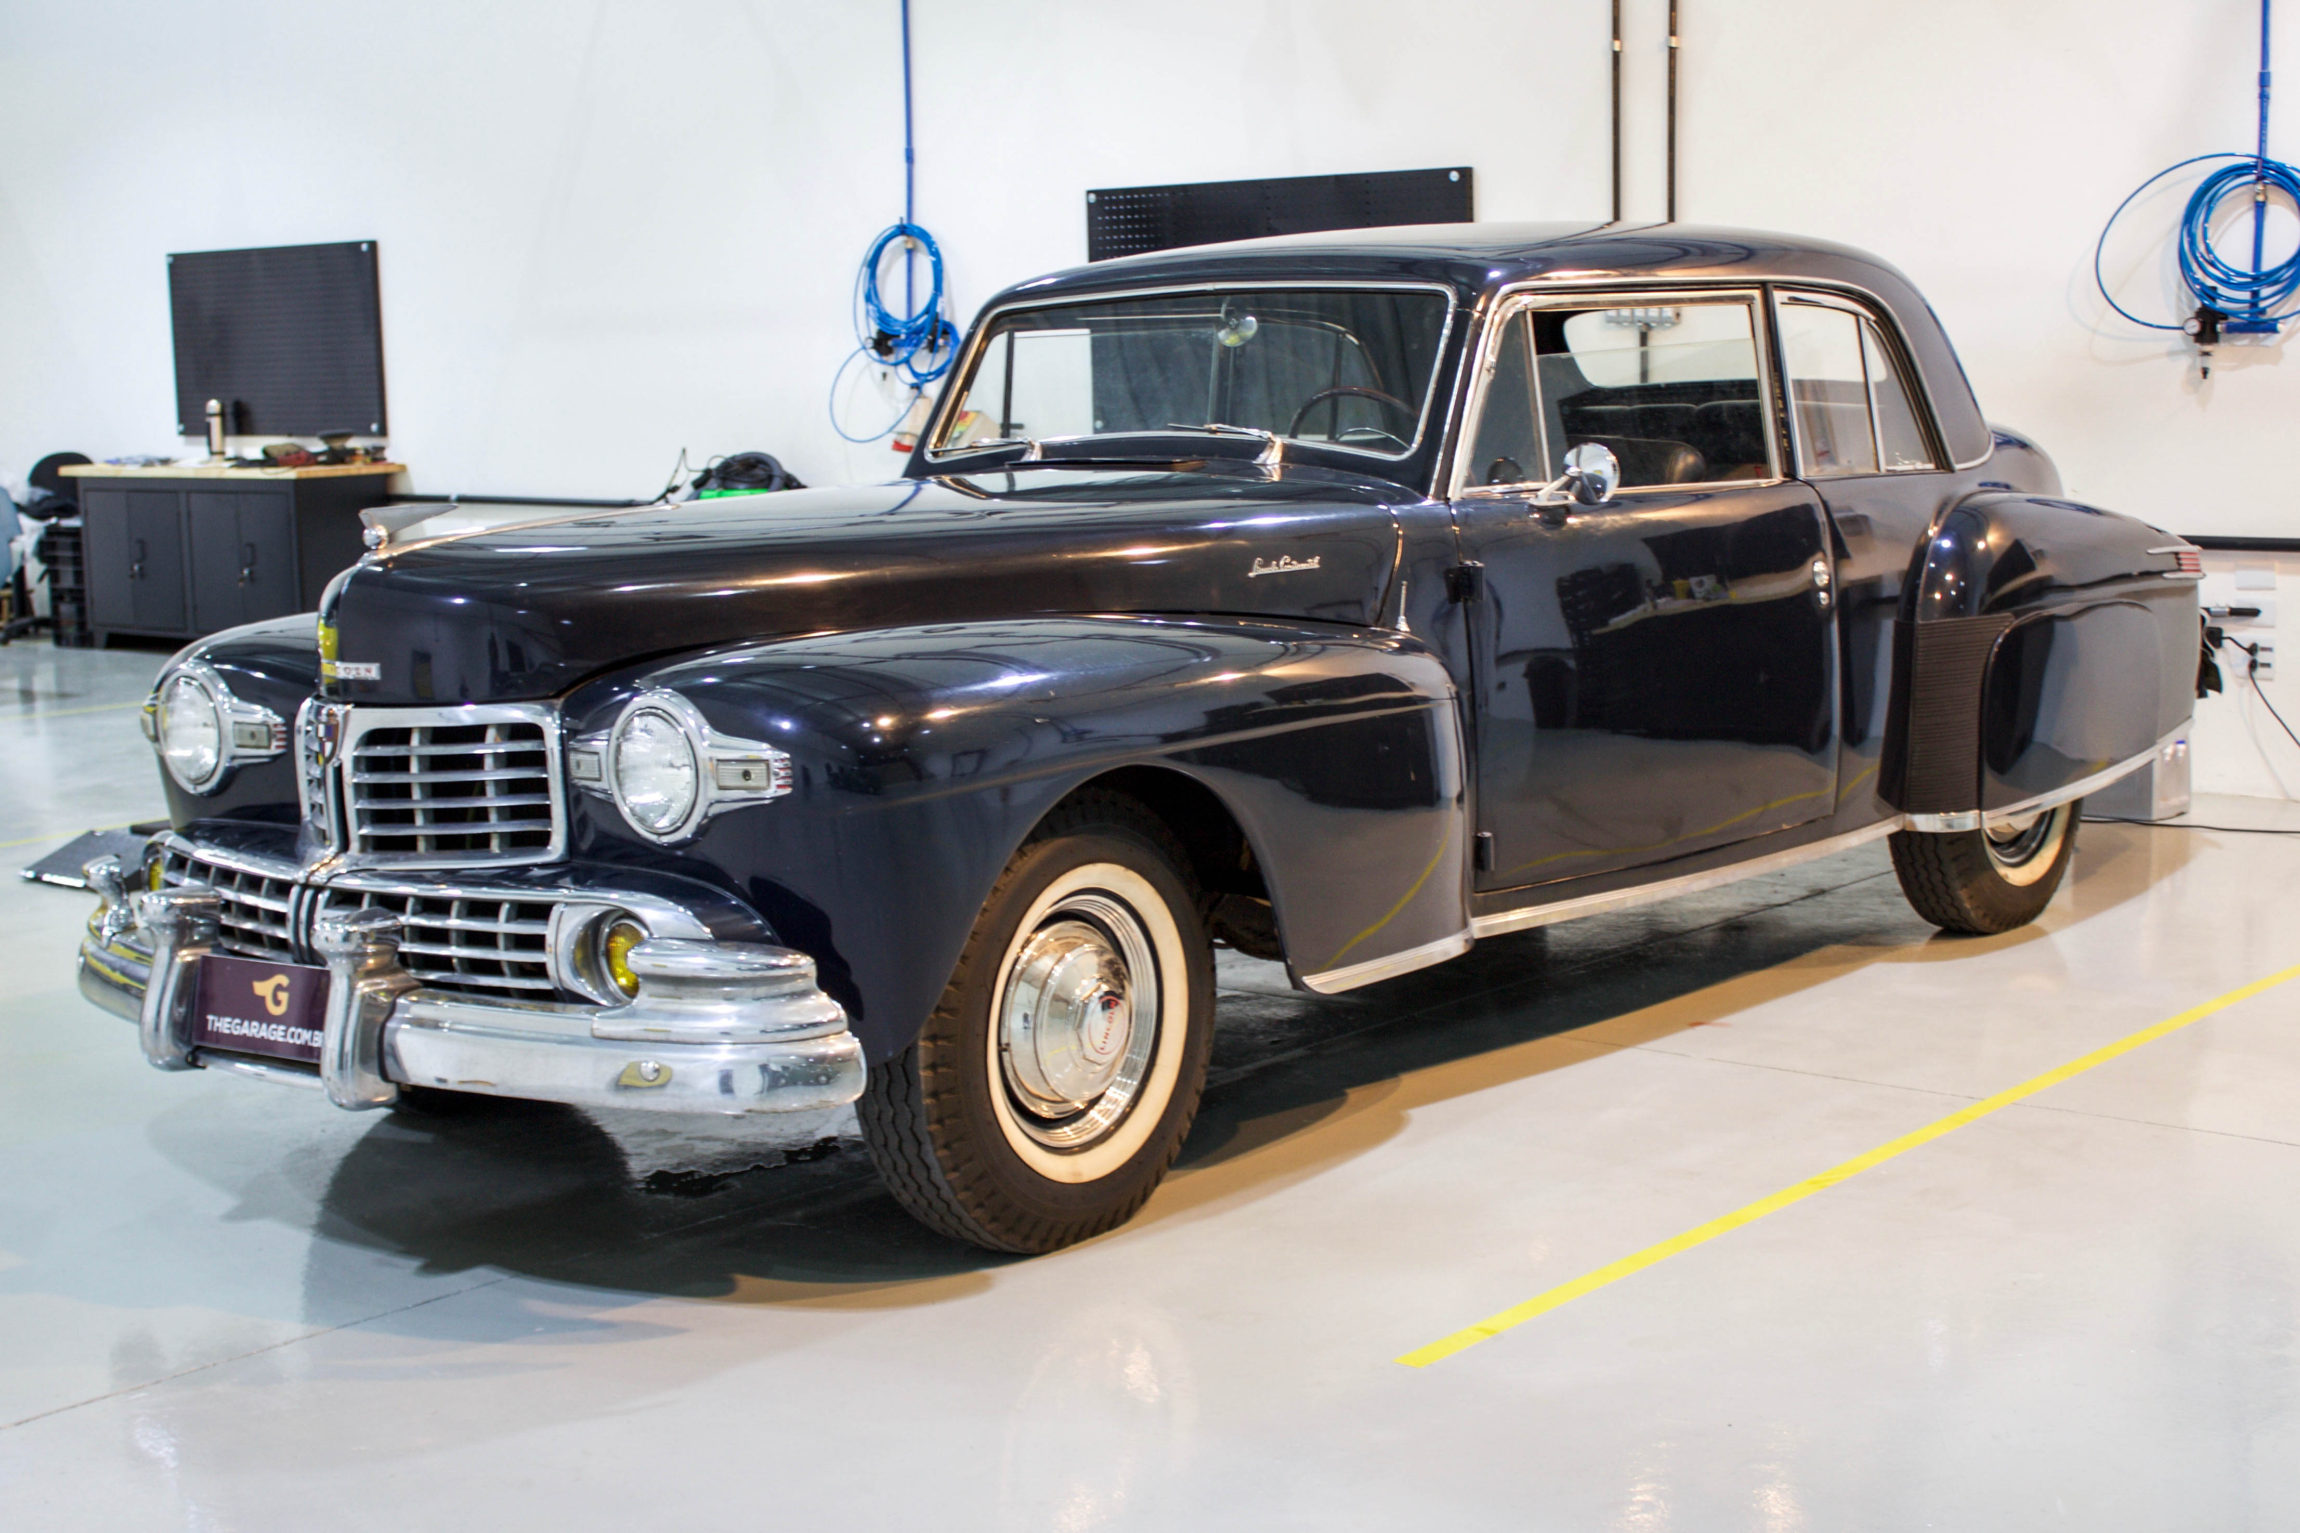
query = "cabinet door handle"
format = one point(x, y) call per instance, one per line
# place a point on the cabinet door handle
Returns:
point(136, 565)
point(247, 562)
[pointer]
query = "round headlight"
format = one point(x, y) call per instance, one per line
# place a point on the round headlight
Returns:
point(656, 776)
point(191, 732)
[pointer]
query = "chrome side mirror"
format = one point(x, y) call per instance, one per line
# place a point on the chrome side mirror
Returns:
point(1592, 473)
point(1591, 476)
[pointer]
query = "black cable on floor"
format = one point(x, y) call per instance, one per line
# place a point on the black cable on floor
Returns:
point(2234, 830)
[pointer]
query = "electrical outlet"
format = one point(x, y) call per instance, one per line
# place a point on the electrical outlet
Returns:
point(2264, 660)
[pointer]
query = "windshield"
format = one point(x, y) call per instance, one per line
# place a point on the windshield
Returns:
point(1337, 367)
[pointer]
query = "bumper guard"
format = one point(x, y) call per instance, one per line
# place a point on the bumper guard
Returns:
point(717, 1027)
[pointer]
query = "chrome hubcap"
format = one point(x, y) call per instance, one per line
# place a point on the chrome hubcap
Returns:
point(2014, 843)
point(1078, 1020)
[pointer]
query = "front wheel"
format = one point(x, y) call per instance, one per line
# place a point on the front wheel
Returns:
point(1987, 880)
point(1054, 1084)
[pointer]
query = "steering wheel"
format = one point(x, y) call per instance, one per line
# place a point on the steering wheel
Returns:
point(1352, 391)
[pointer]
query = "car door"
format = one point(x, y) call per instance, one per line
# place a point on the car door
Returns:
point(1655, 675)
point(1865, 441)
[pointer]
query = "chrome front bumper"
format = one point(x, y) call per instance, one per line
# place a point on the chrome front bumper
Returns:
point(717, 1027)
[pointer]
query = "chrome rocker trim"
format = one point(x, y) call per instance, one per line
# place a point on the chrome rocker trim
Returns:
point(1374, 970)
point(717, 1027)
point(1335, 980)
point(1975, 819)
point(1690, 883)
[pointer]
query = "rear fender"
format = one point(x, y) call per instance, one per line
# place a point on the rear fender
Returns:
point(2044, 649)
point(923, 757)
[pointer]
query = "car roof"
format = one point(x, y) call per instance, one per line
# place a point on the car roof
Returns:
point(1476, 259)
point(1479, 256)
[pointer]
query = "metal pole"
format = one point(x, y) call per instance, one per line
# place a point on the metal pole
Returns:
point(909, 177)
point(1617, 111)
point(2260, 162)
point(1672, 111)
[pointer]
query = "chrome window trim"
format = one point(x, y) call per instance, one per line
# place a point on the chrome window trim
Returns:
point(1898, 357)
point(1878, 310)
point(979, 338)
point(360, 720)
point(1544, 294)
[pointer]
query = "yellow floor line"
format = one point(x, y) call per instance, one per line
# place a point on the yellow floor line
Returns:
point(65, 713)
point(1613, 1272)
point(58, 837)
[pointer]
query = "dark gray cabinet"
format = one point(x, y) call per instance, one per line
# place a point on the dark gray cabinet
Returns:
point(243, 557)
point(137, 536)
point(177, 558)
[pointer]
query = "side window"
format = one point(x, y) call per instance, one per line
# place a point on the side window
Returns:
point(1828, 390)
point(1672, 389)
point(1507, 448)
point(1854, 414)
point(1900, 442)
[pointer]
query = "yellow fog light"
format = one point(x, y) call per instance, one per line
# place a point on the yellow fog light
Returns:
point(616, 950)
point(155, 874)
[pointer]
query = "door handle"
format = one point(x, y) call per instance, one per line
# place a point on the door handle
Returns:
point(136, 565)
point(247, 562)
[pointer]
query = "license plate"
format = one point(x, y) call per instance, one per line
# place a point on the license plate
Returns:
point(250, 1007)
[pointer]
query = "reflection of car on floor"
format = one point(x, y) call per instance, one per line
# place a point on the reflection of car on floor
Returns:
point(1341, 599)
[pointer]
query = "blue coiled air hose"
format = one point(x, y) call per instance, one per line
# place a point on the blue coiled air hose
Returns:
point(917, 342)
point(2244, 299)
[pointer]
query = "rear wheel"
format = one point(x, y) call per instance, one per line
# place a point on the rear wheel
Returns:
point(1054, 1084)
point(1987, 880)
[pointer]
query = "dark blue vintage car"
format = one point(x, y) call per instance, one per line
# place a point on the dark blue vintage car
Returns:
point(1341, 599)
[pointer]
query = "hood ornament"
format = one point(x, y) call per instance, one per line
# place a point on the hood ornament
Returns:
point(384, 523)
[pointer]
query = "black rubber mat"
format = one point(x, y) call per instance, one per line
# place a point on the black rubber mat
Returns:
point(62, 866)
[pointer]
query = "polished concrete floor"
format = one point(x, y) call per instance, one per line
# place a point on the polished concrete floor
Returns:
point(227, 1306)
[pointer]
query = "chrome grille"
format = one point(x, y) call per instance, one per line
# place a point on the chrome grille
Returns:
point(461, 785)
point(256, 918)
point(471, 941)
point(466, 941)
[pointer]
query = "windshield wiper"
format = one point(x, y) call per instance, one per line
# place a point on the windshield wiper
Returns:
point(1272, 453)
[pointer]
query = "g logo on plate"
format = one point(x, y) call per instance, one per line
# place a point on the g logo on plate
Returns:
point(273, 993)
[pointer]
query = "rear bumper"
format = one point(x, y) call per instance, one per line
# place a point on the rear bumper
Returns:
point(717, 1027)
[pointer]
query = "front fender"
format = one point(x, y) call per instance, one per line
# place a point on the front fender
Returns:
point(924, 756)
point(2042, 643)
point(276, 664)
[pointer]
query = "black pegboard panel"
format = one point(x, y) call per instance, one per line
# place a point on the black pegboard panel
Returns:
point(290, 338)
point(1129, 220)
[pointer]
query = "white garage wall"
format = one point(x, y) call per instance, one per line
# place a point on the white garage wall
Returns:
point(615, 229)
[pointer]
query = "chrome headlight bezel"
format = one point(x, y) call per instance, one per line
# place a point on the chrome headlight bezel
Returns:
point(245, 732)
point(729, 771)
point(682, 802)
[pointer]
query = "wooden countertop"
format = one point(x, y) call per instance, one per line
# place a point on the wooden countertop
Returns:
point(214, 471)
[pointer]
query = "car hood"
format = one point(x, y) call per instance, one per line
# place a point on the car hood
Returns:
point(528, 610)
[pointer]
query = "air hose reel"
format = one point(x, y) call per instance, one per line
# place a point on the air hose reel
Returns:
point(2231, 299)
